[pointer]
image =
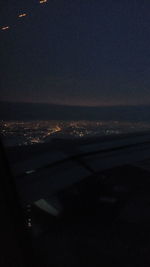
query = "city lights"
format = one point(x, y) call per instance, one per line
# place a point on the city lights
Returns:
point(32, 132)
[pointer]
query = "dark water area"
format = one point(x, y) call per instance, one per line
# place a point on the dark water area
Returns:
point(28, 111)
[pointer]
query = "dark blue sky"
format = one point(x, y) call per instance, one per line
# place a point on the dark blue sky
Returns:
point(89, 52)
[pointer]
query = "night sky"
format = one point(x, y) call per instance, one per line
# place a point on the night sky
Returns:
point(76, 52)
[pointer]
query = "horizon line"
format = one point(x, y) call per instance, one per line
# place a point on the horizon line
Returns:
point(67, 105)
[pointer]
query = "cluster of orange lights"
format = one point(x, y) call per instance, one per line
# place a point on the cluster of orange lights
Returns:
point(4, 28)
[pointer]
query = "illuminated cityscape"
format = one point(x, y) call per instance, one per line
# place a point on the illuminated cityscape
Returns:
point(16, 133)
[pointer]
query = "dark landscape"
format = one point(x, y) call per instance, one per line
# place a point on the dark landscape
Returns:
point(38, 111)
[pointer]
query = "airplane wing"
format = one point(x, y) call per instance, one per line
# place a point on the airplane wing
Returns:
point(44, 170)
point(90, 198)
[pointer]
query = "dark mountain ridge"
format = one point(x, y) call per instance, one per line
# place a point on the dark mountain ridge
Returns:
point(40, 111)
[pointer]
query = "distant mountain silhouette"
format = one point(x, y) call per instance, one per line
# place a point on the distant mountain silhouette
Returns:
point(28, 111)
